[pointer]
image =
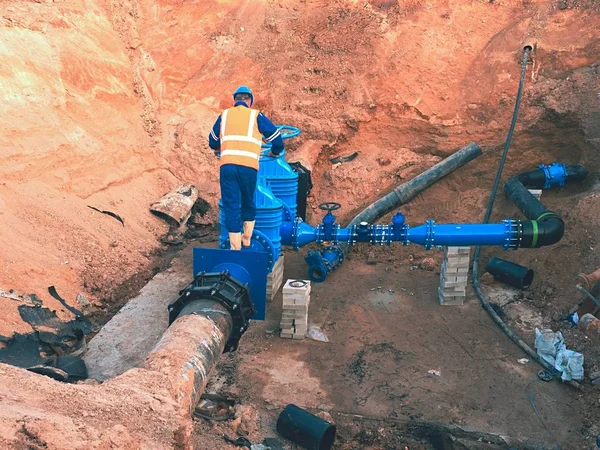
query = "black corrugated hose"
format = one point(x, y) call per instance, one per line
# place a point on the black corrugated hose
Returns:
point(511, 334)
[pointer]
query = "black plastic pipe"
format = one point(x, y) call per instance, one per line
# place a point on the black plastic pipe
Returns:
point(305, 429)
point(510, 273)
point(407, 191)
point(546, 227)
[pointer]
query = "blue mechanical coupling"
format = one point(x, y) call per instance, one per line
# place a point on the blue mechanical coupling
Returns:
point(556, 174)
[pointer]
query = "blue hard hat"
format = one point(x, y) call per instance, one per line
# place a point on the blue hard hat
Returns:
point(244, 90)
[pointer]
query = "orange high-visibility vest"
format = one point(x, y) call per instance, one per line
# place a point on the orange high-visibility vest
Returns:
point(240, 139)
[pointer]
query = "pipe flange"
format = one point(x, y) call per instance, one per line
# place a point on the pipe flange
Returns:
point(287, 213)
point(264, 242)
point(295, 228)
point(224, 289)
point(429, 234)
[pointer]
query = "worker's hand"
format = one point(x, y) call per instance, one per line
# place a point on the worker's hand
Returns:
point(217, 153)
point(273, 155)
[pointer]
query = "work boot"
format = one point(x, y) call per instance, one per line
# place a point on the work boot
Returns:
point(247, 237)
point(235, 241)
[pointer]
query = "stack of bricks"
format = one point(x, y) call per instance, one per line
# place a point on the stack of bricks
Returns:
point(294, 316)
point(275, 279)
point(453, 279)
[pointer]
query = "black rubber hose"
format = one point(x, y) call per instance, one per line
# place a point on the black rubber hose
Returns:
point(484, 303)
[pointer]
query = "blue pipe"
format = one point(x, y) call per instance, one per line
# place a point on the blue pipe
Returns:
point(428, 235)
point(506, 234)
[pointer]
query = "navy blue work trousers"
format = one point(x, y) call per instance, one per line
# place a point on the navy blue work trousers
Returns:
point(238, 184)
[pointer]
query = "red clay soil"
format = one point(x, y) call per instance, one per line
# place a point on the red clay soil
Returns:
point(108, 103)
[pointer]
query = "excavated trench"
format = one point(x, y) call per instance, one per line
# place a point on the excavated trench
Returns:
point(122, 117)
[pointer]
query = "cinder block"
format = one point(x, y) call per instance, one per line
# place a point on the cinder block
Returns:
point(457, 251)
point(454, 276)
point(457, 261)
point(295, 300)
point(295, 308)
point(298, 336)
point(275, 279)
point(300, 287)
point(301, 328)
point(452, 301)
point(455, 270)
point(294, 316)
point(456, 281)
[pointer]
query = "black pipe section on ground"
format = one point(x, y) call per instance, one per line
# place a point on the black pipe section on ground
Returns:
point(545, 227)
point(510, 273)
point(407, 191)
point(305, 429)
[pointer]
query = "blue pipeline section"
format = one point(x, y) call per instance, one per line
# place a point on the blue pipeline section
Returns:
point(428, 235)
point(321, 263)
point(277, 224)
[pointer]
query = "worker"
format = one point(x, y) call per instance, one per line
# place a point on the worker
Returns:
point(236, 138)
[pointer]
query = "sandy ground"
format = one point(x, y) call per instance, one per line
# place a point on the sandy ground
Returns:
point(108, 104)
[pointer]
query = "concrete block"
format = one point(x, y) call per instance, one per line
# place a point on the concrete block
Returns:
point(458, 261)
point(300, 287)
point(451, 278)
point(293, 315)
point(457, 251)
point(453, 271)
point(295, 300)
point(275, 279)
point(295, 308)
point(286, 335)
point(298, 336)
point(302, 329)
point(453, 301)
point(537, 193)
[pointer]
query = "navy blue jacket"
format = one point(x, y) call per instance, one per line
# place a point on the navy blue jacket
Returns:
point(265, 126)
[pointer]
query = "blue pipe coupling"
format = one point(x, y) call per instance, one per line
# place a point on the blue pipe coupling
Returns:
point(322, 263)
point(556, 174)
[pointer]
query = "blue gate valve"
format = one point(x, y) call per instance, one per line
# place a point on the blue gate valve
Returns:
point(328, 224)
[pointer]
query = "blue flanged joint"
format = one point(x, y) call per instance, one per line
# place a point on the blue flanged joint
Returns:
point(429, 234)
point(556, 174)
point(322, 263)
point(513, 232)
point(381, 235)
point(302, 234)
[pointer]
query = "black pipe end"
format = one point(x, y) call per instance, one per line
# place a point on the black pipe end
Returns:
point(510, 273)
point(576, 172)
point(305, 429)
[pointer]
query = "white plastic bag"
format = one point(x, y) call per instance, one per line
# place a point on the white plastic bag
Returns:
point(316, 334)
